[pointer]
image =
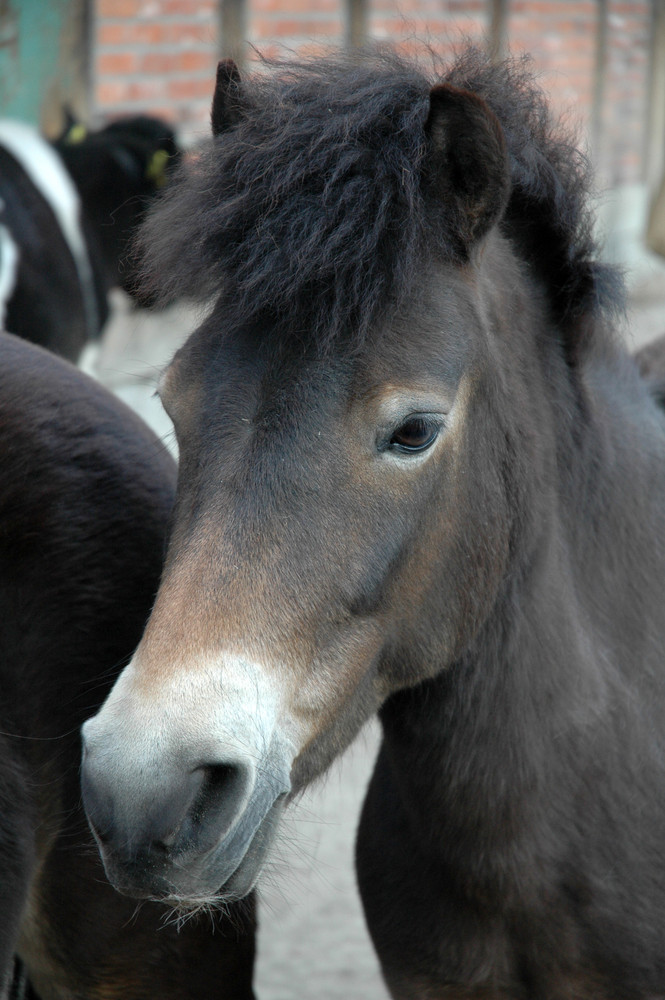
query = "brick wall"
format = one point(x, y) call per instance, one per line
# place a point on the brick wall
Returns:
point(302, 25)
point(442, 25)
point(563, 37)
point(160, 55)
point(156, 56)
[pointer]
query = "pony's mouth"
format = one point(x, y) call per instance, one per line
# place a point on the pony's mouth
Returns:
point(183, 819)
point(186, 880)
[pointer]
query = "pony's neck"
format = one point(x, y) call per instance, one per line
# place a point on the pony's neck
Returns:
point(486, 726)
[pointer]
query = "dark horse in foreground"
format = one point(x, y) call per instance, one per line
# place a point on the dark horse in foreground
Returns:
point(419, 475)
point(86, 493)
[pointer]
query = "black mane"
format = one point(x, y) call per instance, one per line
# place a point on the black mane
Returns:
point(310, 210)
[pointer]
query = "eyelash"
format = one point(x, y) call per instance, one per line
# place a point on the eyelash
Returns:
point(422, 432)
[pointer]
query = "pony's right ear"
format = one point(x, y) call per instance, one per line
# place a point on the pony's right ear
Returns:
point(467, 164)
point(226, 104)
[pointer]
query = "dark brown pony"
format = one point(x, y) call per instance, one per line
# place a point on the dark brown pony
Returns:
point(419, 475)
point(86, 493)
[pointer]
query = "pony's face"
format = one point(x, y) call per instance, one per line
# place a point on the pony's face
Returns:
point(339, 534)
point(342, 520)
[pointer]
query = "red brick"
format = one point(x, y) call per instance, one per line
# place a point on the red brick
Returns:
point(312, 49)
point(131, 33)
point(158, 63)
point(120, 92)
point(194, 9)
point(192, 61)
point(165, 63)
point(116, 63)
point(179, 89)
point(189, 33)
point(298, 27)
point(118, 8)
point(111, 34)
point(110, 92)
point(295, 7)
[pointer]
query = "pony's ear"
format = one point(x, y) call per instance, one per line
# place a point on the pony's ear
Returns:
point(226, 104)
point(467, 164)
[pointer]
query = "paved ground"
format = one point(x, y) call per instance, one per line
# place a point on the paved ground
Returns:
point(313, 941)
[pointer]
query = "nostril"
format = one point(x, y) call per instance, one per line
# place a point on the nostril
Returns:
point(218, 804)
point(180, 813)
point(166, 828)
point(224, 779)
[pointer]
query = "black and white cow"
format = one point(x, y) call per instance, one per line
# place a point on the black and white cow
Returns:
point(67, 214)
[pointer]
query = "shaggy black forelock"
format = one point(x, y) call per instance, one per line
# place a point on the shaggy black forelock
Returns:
point(310, 210)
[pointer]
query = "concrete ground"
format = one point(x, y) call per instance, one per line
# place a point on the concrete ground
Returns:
point(312, 940)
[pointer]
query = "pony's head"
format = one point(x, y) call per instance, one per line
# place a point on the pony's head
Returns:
point(364, 456)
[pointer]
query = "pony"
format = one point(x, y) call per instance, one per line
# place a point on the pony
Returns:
point(420, 476)
point(86, 493)
point(68, 211)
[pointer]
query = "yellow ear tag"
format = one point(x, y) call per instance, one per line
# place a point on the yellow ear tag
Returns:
point(76, 134)
point(156, 169)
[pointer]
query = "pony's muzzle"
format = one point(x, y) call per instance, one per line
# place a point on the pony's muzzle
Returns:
point(182, 833)
point(192, 815)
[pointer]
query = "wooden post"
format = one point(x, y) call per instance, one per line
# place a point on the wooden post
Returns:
point(356, 23)
point(498, 29)
point(654, 154)
point(596, 132)
point(232, 30)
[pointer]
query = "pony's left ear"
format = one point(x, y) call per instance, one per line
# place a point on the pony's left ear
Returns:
point(467, 164)
point(226, 102)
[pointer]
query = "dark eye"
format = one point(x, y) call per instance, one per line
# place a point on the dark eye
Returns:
point(415, 434)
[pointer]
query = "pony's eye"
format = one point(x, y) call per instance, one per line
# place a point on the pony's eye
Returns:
point(415, 434)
